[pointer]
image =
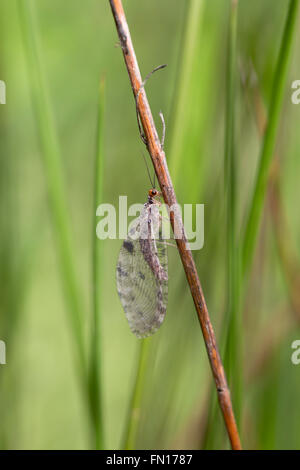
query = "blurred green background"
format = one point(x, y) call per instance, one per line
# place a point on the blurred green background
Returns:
point(42, 405)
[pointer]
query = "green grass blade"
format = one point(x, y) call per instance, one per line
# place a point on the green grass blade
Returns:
point(97, 260)
point(54, 179)
point(190, 45)
point(233, 327)
point(134, 411)
point(278, 88)
point(231, 330)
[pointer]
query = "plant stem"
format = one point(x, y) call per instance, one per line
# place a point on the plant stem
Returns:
point(134, 411)
point(269, 142)
point(287, 255)
point(233, 329)
point(97, 261)
point(189, 47)
point(159, 162)
point(54, 178)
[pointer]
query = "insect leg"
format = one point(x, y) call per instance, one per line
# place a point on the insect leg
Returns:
point(173, 245)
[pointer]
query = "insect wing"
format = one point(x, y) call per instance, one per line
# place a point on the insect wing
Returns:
point(143, 296)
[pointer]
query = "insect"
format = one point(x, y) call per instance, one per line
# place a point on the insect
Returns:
point(142, 271)
point(142, 268)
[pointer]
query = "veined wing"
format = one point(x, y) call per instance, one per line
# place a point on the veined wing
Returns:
point(143, 294)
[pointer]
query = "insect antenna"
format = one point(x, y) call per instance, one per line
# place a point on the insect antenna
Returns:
point(148, 171)
point(136, 101)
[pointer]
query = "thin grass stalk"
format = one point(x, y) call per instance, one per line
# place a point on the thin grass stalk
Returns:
point(278, 89)
point(134, 411)
point(97, 278)
point(160, 165)
point(287, 255)
point(233, 330)
point(55, 182)
point(188, 53)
